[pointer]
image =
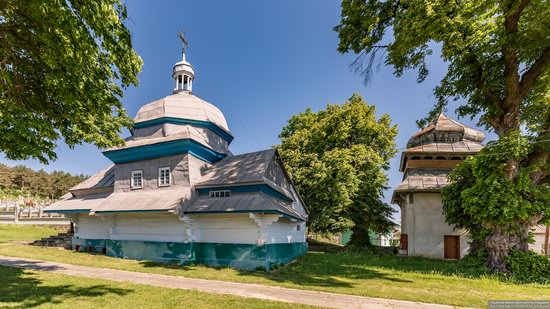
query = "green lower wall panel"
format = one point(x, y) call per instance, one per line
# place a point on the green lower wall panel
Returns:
point(88, 245)
point(240, 256)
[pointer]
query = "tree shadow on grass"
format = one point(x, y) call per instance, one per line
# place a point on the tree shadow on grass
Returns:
point(22, 289)
point(394, 263)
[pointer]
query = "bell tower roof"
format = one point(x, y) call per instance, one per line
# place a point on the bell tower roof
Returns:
point(183, 72)
point(444, 129)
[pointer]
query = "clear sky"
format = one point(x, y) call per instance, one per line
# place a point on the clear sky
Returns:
point(260, 62)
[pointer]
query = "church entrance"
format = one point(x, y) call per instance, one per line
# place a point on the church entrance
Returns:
point(451, 247)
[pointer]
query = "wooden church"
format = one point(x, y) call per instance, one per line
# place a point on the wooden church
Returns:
point(175, 193)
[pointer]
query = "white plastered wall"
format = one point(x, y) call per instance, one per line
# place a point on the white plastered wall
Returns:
point(232, 229)
point(285, 231)
point(424, 223)
point(91, 227)
point(163, 227)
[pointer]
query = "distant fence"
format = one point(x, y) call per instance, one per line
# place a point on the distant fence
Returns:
point(12, 212)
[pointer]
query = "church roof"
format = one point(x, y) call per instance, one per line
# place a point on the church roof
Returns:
point(256, 202)
point(147, 200)
point(445, 129)
point(422, 180)
point(103, 181)
point(244, 168)
point(182, 105)
point(458, 147)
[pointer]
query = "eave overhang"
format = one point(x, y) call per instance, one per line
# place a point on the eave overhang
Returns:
point(172, 120)
point(164, 149)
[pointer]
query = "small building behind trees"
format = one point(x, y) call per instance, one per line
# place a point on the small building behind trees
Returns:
point(431, 155)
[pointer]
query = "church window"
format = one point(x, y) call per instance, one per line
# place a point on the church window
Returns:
point(136, 182)
point(297, 227)
point(164, 177)
point(220, 193)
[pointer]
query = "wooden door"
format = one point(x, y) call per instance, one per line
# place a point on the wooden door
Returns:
point(404, 241)
point(451, 244)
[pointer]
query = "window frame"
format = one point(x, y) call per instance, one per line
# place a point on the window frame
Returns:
point(160, 184)
point(133, 186)
point(219, 193)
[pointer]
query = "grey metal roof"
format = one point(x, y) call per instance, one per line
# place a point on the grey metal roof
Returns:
point(188, 133)
point(103, 181)
point(146, 200)
point(245, 168)
point(70, 203)
point(253, 202)
point(422, 180)
point(441, 125)
point(182, 105)
point(458, 147)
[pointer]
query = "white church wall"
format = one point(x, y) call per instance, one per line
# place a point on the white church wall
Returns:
point(91, 227)
point(231, 229)
point(148, 227)
point(285, 231)
point(429, 227)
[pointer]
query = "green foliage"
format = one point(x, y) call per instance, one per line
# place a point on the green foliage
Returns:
point(498, 56)
point(337, 158)
point(64, 65)
point(528, 267)
point(23, 181)
point(485, 44)
point(480, 196)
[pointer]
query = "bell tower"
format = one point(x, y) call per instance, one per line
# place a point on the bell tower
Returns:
point(183, 72)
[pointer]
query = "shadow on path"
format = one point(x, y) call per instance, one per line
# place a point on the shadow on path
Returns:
point(23, 289)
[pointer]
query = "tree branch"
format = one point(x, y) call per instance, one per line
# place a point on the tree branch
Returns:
point(530, 76)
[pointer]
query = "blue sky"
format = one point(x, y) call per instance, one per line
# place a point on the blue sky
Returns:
point(260, 62)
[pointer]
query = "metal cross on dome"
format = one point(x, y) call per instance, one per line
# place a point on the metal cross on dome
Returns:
point(184, 42)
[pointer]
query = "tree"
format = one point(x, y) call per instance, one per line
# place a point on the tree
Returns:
point(337, 158)
point(63, 65)
point(498, 54)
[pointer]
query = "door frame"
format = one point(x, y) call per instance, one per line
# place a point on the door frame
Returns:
point(457, 237)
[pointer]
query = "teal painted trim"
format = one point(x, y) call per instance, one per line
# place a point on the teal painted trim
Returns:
point(164, 149)
point(205, 124)
point(68, 211)
point(240, 256)
point(249, 188)
point(146, 210)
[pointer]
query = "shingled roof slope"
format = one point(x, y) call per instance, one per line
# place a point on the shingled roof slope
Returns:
point(245, 168)
point(256, 202)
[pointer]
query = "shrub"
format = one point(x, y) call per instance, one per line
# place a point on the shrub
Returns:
point(528, 266)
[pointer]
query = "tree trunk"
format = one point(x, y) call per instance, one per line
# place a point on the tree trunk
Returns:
point(359, 237)
point(498, 246)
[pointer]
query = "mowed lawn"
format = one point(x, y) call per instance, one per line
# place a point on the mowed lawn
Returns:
point(357, 273)
point(30, 289)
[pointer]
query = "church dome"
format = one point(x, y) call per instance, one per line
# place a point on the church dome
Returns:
point(444, 129)
point(182, 105)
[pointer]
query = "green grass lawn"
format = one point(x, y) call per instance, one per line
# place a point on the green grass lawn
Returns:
point(358, 273)
point(11, 232)
point(25, 289)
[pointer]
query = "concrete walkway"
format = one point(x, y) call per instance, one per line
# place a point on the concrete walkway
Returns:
point(321, 299)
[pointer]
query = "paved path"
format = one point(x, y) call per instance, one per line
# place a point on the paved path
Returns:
point(321, 299)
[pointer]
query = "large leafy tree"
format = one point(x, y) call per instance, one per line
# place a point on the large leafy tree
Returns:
point(338, 158)
point(498, 55)
point(63, 65)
